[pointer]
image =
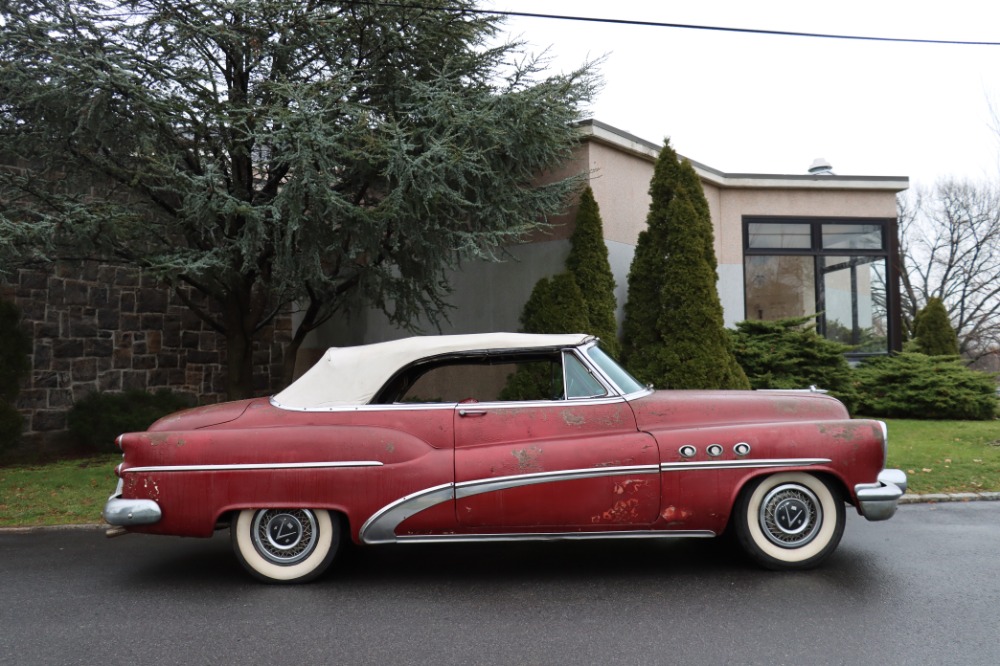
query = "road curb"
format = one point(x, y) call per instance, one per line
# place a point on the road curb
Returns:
point(949, 497)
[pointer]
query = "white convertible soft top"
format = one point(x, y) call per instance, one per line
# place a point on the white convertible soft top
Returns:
point(352, 375)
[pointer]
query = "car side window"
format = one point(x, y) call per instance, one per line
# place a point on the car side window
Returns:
point(580, 383)
point(490, 378)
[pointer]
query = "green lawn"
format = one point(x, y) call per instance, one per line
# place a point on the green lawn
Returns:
point(68, 492)
point(946, 456)
point(937, 456)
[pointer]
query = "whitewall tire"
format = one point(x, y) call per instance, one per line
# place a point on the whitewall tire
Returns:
point(791, 520)
point(285, 545)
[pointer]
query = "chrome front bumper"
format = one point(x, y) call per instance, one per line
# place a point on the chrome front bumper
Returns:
point(127, 512)
point(878, 501)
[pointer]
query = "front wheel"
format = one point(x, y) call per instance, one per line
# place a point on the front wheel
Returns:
point(789, 521)
point(285, 545)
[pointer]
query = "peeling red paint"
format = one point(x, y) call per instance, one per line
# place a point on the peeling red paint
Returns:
point(527, 458)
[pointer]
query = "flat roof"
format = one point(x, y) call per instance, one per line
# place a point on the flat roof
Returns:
point(622, 140)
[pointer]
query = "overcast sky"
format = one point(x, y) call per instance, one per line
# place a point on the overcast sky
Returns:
point(771, 104)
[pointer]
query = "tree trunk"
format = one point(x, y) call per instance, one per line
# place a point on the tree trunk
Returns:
point(239, 350)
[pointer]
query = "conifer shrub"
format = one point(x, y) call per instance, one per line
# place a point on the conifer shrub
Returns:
point(917, 386)
point(556, 305)
point(790, 354)
point(589, 265)
point(933, 332)
point(15, 363)
point(673, 333)
point(97, 419)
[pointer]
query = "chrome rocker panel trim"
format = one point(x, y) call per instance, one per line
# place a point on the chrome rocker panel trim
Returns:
point(879, 500)
point(551, 536)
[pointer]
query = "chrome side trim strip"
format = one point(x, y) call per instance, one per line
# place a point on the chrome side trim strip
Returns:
point(742, 464)
point(381, 526)
point(550, 536)
point(251, 466)
point(480, 486)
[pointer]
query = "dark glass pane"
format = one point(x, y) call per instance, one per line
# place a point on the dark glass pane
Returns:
point(779, 235)
point(852, 237)
point(780, 287)
point(854, 293)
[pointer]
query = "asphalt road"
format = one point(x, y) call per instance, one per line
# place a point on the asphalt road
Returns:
point(923, 588)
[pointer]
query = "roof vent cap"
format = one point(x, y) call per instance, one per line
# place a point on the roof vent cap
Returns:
point(820, 167)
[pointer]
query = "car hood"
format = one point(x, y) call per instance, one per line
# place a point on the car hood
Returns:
point(680, 409)
point(202, 417)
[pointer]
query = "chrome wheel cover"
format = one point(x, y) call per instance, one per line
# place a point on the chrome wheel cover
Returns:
point(284, 536)
point(790, 515)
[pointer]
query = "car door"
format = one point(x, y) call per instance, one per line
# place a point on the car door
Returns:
point(572, 460)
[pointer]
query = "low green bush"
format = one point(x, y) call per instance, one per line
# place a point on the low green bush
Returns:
point(11, 424)
point(96, 420)
point(917, 386)
point(790, 354)
point(15, 363)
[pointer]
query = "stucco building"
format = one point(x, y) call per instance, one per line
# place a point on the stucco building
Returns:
point(787, 245)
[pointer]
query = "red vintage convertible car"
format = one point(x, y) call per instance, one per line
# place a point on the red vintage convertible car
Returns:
point(500, 437)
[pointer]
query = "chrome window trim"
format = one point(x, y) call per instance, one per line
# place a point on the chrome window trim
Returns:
point(254, 466)
point(552, 536)
point(742, 464)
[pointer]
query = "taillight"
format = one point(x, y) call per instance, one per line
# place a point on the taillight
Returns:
point(118, 441)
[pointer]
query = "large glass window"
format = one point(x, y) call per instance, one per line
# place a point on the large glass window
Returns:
point(835, 268)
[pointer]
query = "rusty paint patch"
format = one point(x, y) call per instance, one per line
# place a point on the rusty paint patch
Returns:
point(847, 431)
point(674, 516)
point(571, 419)
point(157, 438)
point(616, 463)
point(527, 458)
point(390, 447)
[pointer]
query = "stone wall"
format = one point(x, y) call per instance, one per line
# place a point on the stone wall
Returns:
point(98, 327)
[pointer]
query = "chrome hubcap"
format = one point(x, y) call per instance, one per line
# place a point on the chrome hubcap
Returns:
point(790, 515)
point(284, 536)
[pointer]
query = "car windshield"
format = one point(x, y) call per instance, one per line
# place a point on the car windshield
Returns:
point(626, 382)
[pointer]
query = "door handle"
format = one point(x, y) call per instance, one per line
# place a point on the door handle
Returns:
point(471, 412)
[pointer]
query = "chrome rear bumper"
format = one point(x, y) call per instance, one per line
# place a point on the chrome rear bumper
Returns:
point(127, 512)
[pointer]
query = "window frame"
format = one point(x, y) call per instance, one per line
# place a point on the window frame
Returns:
point(887, 252)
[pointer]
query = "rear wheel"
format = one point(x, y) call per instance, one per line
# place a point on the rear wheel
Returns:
point(285, 545)
point(789, 521)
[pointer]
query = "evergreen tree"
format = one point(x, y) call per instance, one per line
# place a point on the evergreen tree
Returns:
point(674, 335)
point(556, 305)
point(336, 155)
point(933, 331)
point(790, 354)
point(588, 263)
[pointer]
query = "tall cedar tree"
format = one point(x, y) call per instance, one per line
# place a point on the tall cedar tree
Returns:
point(588, 263)
point(334, 155)
point(933, 331)
point(674, 335)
